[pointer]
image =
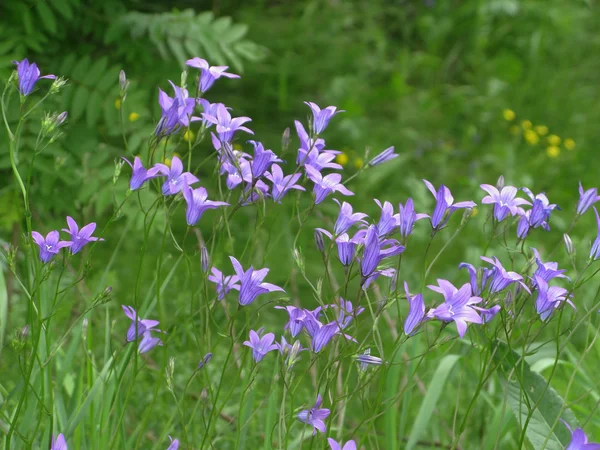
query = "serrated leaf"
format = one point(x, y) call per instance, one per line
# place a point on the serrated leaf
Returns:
point(81, 69)
point(177, 49)
point(96, 71)
point(93, 108)
point(80, 99)
point(47, 16)
point(68, 63)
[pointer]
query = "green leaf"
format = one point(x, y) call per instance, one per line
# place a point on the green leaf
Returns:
point(93, 108)
point(80, 99)
point(3, 308)
point(47, 16)
point(96, 71)
point(64, 8)
point(434, 392)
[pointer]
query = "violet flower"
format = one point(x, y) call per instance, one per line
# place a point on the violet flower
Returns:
point(321, 334)
point(501, 278)
point(388, 221)
point(28, 75)
point(346, 218)
point(347, 313)
point(282, 184)
point(208, 74)
point(80, 237)
point(321, 117)
point(185, 105)
point(385, 156)
point(346, 247)
point(176, 178)
point(334, 445)
point(59, 443)
point(586, 199)
point(49, 245)
point(148, 342)
point(224, 283)
point(322, 160)
point(457, 305)
point(504, 201)
point(444, 206)
point(144, 328)
point(236, 174)
point(254, 193)
point(541, 209)
point(307, 144)
point(366, 359)
point(416, 312)
point(226, 125)
point(251, 282)
point(476, 286)
point(373, 252)
point(296, 319)
point(197, 202)
point(262, 159)
point(210, 109)
point(140, 175)
point(260, 345)
point(579, 440)
point(315, 416)
point(549, 298)
point(595, 250)
point(407, 217)
point(549, 270)
point(174, 444)
point(325, 185)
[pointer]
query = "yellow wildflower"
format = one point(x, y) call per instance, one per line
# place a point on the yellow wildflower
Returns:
point(569, 144)
point(553, 140)
point(515, 130)
point(358, 163)
point(553, 151)
point(508, 114)
point(133, 116)
point(188, 135)
point(531, 137)
point(342, 159)
point(542, 130)
point(167, 162)
point(118, 103)
point(237, 147)
point(526, 124)
point(474, 211)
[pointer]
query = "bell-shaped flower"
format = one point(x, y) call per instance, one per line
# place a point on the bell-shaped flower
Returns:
point(49, 245)
point(282, 184)
point(505, 201)
point(260, 345)
point(325, 185)
point(416, 311)
point(208, 74)
point(28, 75)
point(321, 117)
point(586, 199)
point(226, 125)
point(176, 177)
point(315, 416)
point(197, 202)
point(457, 306)
point(80, 238)
point(407, 217)
point(251, 282)
point(444, 205)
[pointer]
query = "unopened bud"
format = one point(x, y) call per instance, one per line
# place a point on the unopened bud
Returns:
point(205, 360)
point(169, 371)
point(297, 254)
point(84, 327)
point(260, 331)
point(466, 216)
point(118, 166)
point(569, 245)
point(123, 84)
point(285, 139)
point(204, 261)
point(293, 356)
point(25, 332)
point(319, 241)
point(184, 75)
point(500, 182)
point(57, 85)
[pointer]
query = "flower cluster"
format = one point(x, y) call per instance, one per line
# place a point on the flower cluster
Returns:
point(78, 238)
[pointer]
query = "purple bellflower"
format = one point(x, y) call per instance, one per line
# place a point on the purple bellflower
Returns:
point(366, 359)
point(457, 305)
point(547, 271)
point(226, 125)
point(321, 117)
point(321, 160)
point(321, 334)
point(185, 105)
point(388, 221)
point(579, 440)
point(59, 443)
point(346, 218)
point(385, 156)
point(140, 175)
point(145, 327)
point(252, 194)
point(282, 184)
point(169, 121)
point(260, 345)
point(315, 416)
point(334, 445)
point(407, 217)
point(176, 177)
point(262, 159)
point(541, 209)
point(307, 144)
point(586, 199)
point(416, 312)
point(347, 313)
point(208, 74)
point(224, 283)
point(29, 74)
point(549, 298)
point(325, 185)
point(210, 109)
point(373, 252)
point(444, 206)
point(174, 444)
point(296, 322)
point(197, 202)
point(80, 237)
point(251, 282)
point(49, 245)
point(346, 246)
point(487, 314)
point(595, 250)
point(505, 201)
point(476, 287)
point(501, 278)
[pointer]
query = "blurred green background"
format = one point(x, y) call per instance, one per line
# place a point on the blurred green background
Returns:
point(466, 91)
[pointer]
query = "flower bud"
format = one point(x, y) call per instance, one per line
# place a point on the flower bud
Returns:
point(25, 332)
point(57, 85)
point(285, 139)
point(169, 371)
point(298, 259)
point(84, 327)
point(293, 356)
point(118, 166)
point(569, 245)
point(123, 84)
point(205, 360)
point(500, 182)
point(319, 241)
point(204, 260)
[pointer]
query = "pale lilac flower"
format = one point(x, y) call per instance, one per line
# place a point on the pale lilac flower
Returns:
point(142, 326)
point(80, 237)
point(169, 121)
point(210, 109)
point(176, 177)
point(457, 305)
point(204, 361)
point(238, 173)
point(59, 443)
point(349, 445)
point(28, 75)
point(226, 125)
point(184, 105)
point(541, 209)
point(251, 282)
point(296, 319)
point(569, 245)
point(505, 201)
point(262, 159)
point(549, 298)
point(321, 117)
point(325, 185)
point(523, 226)
point(385, 156)
point(282, 184)
point(366, 360)
point(347, 312)
point(549, 270)
point(407, 217)
point(586, 199)
point(224, 283)
point(174, 444)
point(50, 245)
point(416, 312)
point(373, 252)
point(388, 221)
point(197, 202)
point(579, 440)
point(322, 160)
point(254, 193)
point(307, 144)
point(204, 259)
point(323, 335)
point(346, 218)
point(487, 314)
point(501, 278)
point(148, 342)
point(477, 286)
point(444, 206)
point(260, 346)
point(315, 416)
point(595, 250)
point(208, 74)
point(140, 175)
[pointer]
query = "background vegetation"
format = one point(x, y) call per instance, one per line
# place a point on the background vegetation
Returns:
point(465, 90)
